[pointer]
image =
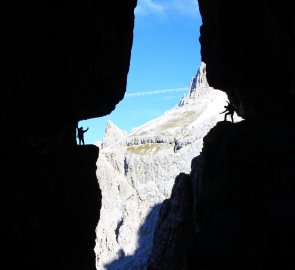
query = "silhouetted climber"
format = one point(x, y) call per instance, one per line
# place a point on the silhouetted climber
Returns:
point(229, 110)
point(80, 135)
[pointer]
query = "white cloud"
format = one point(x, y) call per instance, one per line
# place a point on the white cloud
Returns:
point(161, 7)
point(145, 7)
point(186, 7)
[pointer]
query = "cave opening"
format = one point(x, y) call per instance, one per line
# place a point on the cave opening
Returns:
point(67, 61)
point(165, 57)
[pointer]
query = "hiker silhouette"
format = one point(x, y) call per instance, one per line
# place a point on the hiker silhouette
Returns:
point(80, 135)
point(229, 110)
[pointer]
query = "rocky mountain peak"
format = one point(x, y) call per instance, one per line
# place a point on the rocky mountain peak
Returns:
point(136, 173)
point(200, 78)
point(112, 135)
point(197, 86)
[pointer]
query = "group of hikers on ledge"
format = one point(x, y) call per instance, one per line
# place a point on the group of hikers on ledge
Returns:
point(229, 110)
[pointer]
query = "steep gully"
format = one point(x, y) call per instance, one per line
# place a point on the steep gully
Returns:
point(235, 210)
point(136, 172)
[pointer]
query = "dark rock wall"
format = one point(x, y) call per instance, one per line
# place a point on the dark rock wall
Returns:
point(50, 209)
point(248, 48)
point(61, 62)
point(238, 202)
point(174, 227)
point(245, 206)
point(242, 205)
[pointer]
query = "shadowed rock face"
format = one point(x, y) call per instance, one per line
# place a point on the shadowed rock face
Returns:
point(175, 227)
point(61, 62)
point(243, 208)
point(248, 47)
point(244, 204)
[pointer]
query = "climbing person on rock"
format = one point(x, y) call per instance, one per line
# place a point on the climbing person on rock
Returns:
point(229, 110)
point(80, 135)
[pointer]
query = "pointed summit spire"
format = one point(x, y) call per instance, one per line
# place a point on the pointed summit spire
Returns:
point(197, 86)
point(201, 78)
point(112, 135)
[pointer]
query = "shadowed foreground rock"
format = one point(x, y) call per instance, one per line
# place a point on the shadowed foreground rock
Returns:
point(242, 183)
point(248, 47)
point(243, 207)
point(174, 227)
point(61, 62)
point(53, 210)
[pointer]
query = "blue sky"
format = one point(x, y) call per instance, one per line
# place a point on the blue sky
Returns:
point(165, 56)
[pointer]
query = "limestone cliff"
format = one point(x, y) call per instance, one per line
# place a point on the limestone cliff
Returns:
point(136, 172)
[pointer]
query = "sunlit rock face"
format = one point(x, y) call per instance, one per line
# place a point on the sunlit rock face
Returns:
point(61, 62)
point(136, 172)
point(236, 208)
